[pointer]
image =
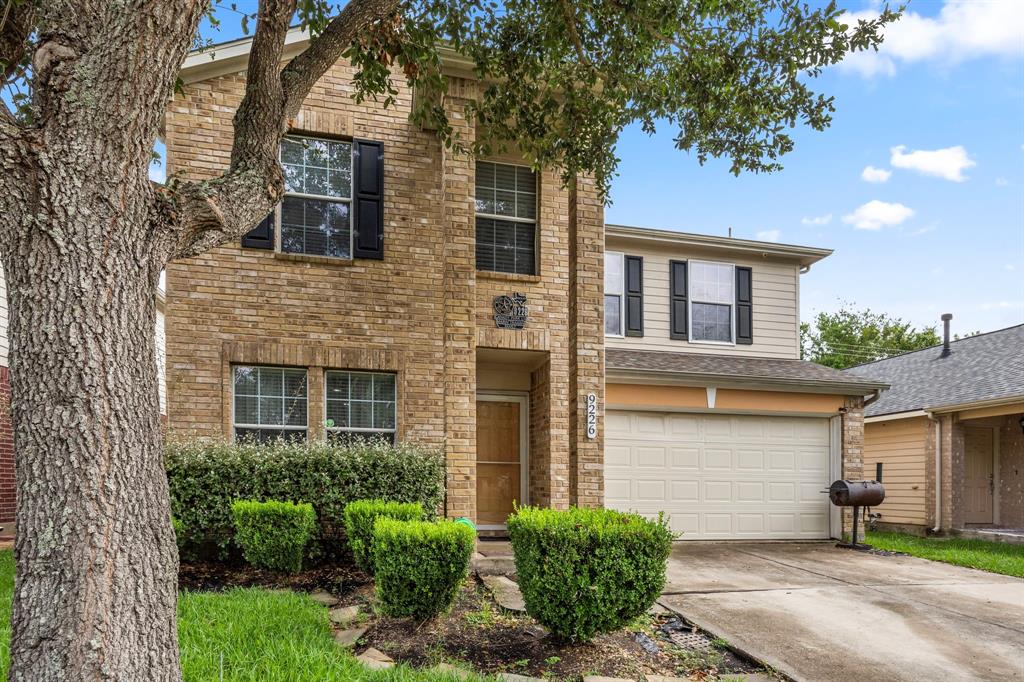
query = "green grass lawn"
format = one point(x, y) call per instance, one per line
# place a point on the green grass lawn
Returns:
point(254, 634)
point(997, 557)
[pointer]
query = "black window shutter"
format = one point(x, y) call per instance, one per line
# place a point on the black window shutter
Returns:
point(368, 199)
point(261, 236)
point(634, 296)
point(744, 306)
point(678, 327)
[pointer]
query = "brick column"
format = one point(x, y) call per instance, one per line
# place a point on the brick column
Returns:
point(540, 436)
point(952, 484)
point(853, 455)
point(459, 311)
point(586, 336)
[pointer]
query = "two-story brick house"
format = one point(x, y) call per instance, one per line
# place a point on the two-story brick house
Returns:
point(407, 292)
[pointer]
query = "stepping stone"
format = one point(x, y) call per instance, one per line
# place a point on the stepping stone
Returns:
point(496, 565)
point(375, 660)
point(662, 678)
point(602, 678)
point(749, 677)
point(505, 592)
point(343, 615)
point(454, 671)
point(348, 638)
point(512, 677)
point(325, 598)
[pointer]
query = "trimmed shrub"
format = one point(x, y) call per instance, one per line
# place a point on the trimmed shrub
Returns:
point(419, 566)
point(360, 517)
point(273, 534)
point(588, 571)
point(206, 477)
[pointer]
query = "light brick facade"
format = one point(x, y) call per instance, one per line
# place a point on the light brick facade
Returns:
point(423, 312)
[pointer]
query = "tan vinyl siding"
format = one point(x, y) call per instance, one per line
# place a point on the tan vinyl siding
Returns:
point(776, 310)
point(900, 446)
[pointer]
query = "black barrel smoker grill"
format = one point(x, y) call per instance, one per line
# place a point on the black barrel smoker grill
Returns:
point(856, 494)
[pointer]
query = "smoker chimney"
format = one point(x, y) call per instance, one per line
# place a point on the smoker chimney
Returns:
point(946, 317)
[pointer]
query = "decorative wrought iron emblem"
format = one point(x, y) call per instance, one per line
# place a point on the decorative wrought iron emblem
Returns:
point(510, 312)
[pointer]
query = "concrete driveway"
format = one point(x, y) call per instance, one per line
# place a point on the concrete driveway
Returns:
point(815, 612)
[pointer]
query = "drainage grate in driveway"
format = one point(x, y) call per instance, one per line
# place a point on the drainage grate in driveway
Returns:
point(685, 637)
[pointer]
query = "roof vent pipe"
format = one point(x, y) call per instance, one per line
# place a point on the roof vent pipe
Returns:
point(946, 317)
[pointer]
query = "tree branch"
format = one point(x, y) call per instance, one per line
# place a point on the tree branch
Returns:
point(16, 20)
point(204, 215)
point(306, 68)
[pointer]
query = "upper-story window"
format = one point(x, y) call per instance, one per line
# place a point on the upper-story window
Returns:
point(712, 301)
point(506, 218)
point(269, 403)
point(361, 405)
point(315, 216)
point(613, 282)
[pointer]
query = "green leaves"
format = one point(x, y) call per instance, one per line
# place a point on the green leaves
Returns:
point(560, 79)
point(273, 535)
point(361, 515)
point(851, 337)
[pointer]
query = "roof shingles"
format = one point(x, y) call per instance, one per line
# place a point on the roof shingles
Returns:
point(983, 367)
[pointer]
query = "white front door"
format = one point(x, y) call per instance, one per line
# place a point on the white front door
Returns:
point(721, 476)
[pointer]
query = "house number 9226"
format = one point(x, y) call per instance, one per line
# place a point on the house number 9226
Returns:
point(591, 416)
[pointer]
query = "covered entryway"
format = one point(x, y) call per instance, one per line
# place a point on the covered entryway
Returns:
point(721, 476)
point(501, 451)
point(979, 474)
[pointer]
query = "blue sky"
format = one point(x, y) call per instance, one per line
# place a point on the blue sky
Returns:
point(918, 185)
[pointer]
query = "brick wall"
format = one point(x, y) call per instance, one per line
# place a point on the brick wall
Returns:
point(853, 455)
point(1011, 472)
point(421, 312)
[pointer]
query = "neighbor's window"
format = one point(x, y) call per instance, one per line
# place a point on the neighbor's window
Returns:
point(613, 278)
point(712, 298)
point(315, 214)
point(361, 405)
point(270, 402)
point(506, 218)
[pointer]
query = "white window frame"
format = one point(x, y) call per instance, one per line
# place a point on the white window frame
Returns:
point(690, 301)
point(512, 219)
point(621, 293)
point(341, 429)
point(279, 427)
point(278, 210)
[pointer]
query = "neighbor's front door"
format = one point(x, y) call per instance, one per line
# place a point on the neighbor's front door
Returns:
point(499, 464)
point(978, 475)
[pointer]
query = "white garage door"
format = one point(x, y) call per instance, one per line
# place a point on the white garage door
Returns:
point(721, 476)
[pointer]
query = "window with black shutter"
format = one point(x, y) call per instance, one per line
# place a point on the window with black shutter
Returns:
point(744, 306)
point(712, 296)
point(634, 285)
point(679, 327)
point(506, 218)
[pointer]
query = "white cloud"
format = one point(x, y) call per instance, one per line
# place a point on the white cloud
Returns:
point(817, 220)
point(962, 30)
point(922, 230)
point(157, 172)
point(1002, 182)
point(949, 163)
point(1001, 305)
point(872, 174)
point(876, 214)
point(769, 235)
point(1009, 267)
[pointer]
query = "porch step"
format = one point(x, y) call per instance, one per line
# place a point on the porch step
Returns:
point(494, 565)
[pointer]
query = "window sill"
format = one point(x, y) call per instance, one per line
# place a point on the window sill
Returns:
point(317, 260)
point(507, 276)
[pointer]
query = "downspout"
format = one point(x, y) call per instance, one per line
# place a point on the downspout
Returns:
point(938, 472)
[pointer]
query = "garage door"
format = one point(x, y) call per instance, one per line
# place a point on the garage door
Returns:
point(721, 476)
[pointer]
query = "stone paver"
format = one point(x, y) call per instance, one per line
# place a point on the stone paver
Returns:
point(325, 598)
point(602, 678)
point(818, 613)
point(505, 592)
point(344, 615)
point(348, 638)
point(662, 678)
point(512, 677)
point(375, 659)
point(455, 671)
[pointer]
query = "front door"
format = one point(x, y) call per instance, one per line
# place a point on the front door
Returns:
point(978, 475)
point(500, 451)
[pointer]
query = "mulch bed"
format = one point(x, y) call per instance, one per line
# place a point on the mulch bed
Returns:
point(479, 634)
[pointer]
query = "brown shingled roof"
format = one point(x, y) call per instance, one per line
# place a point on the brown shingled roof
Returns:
point(797, 373)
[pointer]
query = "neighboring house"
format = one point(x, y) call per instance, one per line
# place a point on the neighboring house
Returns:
point(954, 414)
point(404, 292)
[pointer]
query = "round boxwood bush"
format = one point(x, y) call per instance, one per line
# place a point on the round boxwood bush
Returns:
point(273, 534)
point(588, 571)
point(419, 566)
point(359, 519)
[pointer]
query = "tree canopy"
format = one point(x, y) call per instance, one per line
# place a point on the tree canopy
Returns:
point(851, 337)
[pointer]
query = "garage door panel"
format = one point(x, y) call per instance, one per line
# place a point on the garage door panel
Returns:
point(721, 476)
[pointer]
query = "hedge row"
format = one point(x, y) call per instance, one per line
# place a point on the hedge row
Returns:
point(205, 478)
